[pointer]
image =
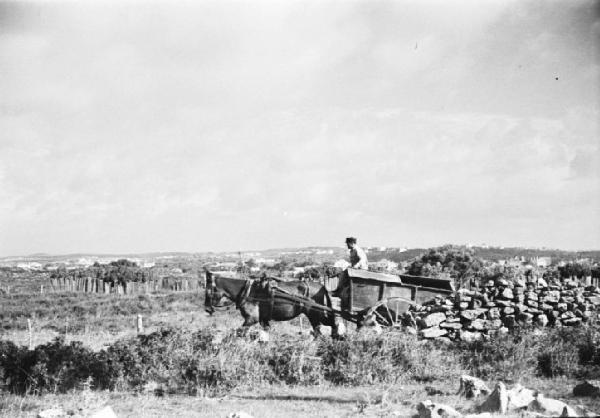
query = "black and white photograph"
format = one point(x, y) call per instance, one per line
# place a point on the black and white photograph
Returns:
point(299, 208)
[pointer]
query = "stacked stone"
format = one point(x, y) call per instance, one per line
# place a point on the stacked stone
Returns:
point(471, 315)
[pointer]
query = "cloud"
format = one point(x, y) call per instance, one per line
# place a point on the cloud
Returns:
point(219, 125)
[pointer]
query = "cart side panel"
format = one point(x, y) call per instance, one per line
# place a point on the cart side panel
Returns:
point(364, 294)
point(398, 291)
point(426, 294)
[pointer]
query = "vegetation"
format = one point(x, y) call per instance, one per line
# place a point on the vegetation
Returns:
point(175, 360)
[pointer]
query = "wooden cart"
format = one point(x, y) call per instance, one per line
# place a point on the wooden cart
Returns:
point(385, 297)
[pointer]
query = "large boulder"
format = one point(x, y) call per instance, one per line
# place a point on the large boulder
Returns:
point(520, 397)
point(433, 332)
point(552, 407)
point(472, 387)
point(587, 388)
point(432, 320)
point(497, 402)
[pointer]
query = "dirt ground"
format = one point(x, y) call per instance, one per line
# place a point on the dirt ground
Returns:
point(279, 401)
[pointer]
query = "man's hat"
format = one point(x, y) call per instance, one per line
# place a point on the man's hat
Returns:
point(350, 240)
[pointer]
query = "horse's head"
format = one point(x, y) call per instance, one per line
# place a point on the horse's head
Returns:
point(213, 294)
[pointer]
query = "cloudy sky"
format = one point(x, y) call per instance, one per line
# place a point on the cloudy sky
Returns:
point(197, 126)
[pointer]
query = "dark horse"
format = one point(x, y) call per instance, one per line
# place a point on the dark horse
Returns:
point(261, 301)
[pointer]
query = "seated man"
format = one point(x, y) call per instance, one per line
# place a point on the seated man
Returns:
point(358, 260)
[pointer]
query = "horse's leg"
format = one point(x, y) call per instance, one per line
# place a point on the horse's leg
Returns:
point(315, 322)
point(250, 314)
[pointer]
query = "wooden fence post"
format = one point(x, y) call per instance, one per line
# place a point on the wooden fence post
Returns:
point(29, 328)
point(41, 289)
point(140, 324)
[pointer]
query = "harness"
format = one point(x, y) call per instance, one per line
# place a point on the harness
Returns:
point(244, 294)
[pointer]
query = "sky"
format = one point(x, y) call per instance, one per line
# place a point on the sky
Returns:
point(222, 126)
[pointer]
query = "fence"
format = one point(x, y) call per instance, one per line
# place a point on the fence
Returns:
point(93, 285)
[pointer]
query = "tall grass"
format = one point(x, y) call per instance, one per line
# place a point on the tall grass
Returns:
point(211, 361)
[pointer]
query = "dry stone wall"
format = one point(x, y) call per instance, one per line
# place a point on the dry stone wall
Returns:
point(500, 306)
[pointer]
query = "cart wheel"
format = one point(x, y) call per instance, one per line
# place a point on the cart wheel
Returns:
point(388, 312)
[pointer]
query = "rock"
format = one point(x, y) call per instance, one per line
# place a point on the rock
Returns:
point(549, 299)
point(411, 330)
point(451, 325)
point(433, 332)
point(594, 300)
point(428, 409)
point(476, 304)
point(51, 413)
point(464, 298)
point(519, 397)
point(492, 324)
point(106, 412)
point(432, 320)
point(472, 314)
point(449, 319)
point(469, 336)
point(502, 282)
point(542, 283)
point(541, 320)
point(582, 411)
point(263, 336)
point(480, 415)
point(525, 317)
point(562, 307)
point(509, 310)
point(472, 387)
point(531, 296)
point(239, 414)
point(463, 305)
point(494, 313)
point(587, 388)
point(477, 324)
point(509, 321)
point(504, 303)
point(571, 322)
point(497, 402)
point(507, 294)
point(521, 308)
point(552, 407)
point(532, 303)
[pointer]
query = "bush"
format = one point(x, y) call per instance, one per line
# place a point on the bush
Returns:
point(212, 362)
point(52, 367)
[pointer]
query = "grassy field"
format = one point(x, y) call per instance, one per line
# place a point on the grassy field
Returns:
point(175, 369)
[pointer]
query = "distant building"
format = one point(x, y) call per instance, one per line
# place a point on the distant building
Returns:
point(32, 265)
point(542, 261)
